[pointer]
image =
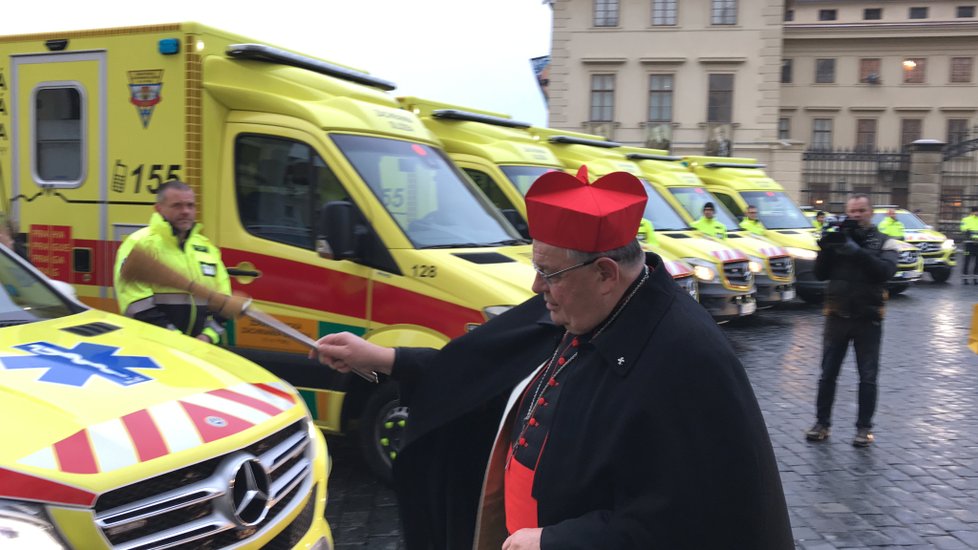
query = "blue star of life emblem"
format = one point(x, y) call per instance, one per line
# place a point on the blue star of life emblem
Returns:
point(73, 367)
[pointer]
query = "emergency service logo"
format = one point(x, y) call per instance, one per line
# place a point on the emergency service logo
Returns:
point(144, 92)
point(74, 366)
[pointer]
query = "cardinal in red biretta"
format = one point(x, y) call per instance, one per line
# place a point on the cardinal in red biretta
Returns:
point(606, 412)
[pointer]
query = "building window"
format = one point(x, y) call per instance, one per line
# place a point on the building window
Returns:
point(917, 13)
point(789, 15)
point(786, 71)
point(602, 97)
point(961, 69)
point(822, 133)
point(605, 13)
point(957, 130)
point(828, 15)
point(784, 128)
point(724, 12)
point(663, 12)
point(869, 71)
point(660, 98)
point(719, 107)
point(914, 70)
point(866, 134)
point(872, 14)
point(965, 11)
point(824, 71)
point(911, 129)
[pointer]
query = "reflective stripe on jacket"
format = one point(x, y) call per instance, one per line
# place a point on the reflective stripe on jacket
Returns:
point(174, 308)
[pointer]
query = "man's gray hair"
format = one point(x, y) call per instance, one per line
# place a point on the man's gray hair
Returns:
point(629, 255)
point(172, 184)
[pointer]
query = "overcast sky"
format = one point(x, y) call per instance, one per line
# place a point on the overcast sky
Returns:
point(475, 54)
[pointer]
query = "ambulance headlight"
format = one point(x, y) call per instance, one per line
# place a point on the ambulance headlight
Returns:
point(801, 253)
point(26, 527)
point(703, 269)
point(948, 244)
point(756, 265)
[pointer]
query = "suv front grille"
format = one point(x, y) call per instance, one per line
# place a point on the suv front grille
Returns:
point(908, 257)
point(738, 273)
point(781, 266)
point(194, 507)
point(929, 247)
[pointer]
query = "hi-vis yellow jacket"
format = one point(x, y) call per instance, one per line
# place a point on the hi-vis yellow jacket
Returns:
point(969, 225)
point(176, 309)
point(753, 226)
point(711, 227)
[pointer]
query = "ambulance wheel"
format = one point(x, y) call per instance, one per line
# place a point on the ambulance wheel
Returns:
point(381, 427)
point(940, 275)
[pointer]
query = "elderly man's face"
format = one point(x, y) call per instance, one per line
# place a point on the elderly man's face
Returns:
point(569, 296)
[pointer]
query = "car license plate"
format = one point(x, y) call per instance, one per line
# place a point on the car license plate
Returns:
point(748, 308)
point(931, 261)
point(788, 294)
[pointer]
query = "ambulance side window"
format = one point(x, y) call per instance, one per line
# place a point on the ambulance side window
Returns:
point(280, 185)
point(731, 204)
point(491, 189)
point(58, 132)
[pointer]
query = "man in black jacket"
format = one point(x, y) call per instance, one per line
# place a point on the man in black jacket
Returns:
point(607, 412)
point(857, 259)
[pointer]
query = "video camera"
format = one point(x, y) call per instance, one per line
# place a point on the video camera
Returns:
point(836, 232)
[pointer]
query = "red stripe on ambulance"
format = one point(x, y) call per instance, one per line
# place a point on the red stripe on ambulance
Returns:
point(145, 435)
point(75, 454)
point(21, 486)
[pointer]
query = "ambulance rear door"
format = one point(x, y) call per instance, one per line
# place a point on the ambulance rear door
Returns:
point(58, 172)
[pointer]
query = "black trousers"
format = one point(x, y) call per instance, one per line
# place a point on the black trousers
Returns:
point(865, 335)
point(970, 257)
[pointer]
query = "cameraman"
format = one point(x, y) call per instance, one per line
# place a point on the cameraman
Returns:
point(857, 260)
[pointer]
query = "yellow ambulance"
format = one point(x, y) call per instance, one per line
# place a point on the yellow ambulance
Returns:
point(936, 250)
point(770, 263)
point(119, 434)
point(726, 283)
point(503, 158)
point(334, 208)
point(737, 182)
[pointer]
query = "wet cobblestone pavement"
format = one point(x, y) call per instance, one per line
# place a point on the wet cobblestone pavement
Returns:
point(916, 487)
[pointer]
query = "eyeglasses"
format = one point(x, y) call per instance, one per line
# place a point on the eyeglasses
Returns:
point(551, 278)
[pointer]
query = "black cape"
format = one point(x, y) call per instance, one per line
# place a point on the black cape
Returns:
point(658, 441)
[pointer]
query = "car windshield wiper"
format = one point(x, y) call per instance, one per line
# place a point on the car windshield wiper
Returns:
point(455, 245)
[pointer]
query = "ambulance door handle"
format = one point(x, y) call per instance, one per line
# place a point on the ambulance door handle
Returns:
point(245, 272)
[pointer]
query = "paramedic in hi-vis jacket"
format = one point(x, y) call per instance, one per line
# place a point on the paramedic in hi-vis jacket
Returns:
point(173, 237)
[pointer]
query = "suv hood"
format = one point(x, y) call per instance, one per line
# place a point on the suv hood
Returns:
point(113, 393)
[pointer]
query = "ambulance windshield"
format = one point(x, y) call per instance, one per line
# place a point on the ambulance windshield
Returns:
point(524, 176)
point(662, 215)
point(776, 210)
point(425, 194)
point(25, 297)
point(693, 199)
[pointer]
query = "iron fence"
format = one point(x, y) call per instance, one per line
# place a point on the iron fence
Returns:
point(829, 176)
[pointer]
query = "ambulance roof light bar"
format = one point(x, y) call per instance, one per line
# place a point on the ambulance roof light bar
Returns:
point(571, 140)
point(648, 156)
point(455, 114)
point(732, 165)
point(268, 54)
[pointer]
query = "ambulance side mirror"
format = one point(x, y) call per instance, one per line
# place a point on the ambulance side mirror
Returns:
point(336, 238)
